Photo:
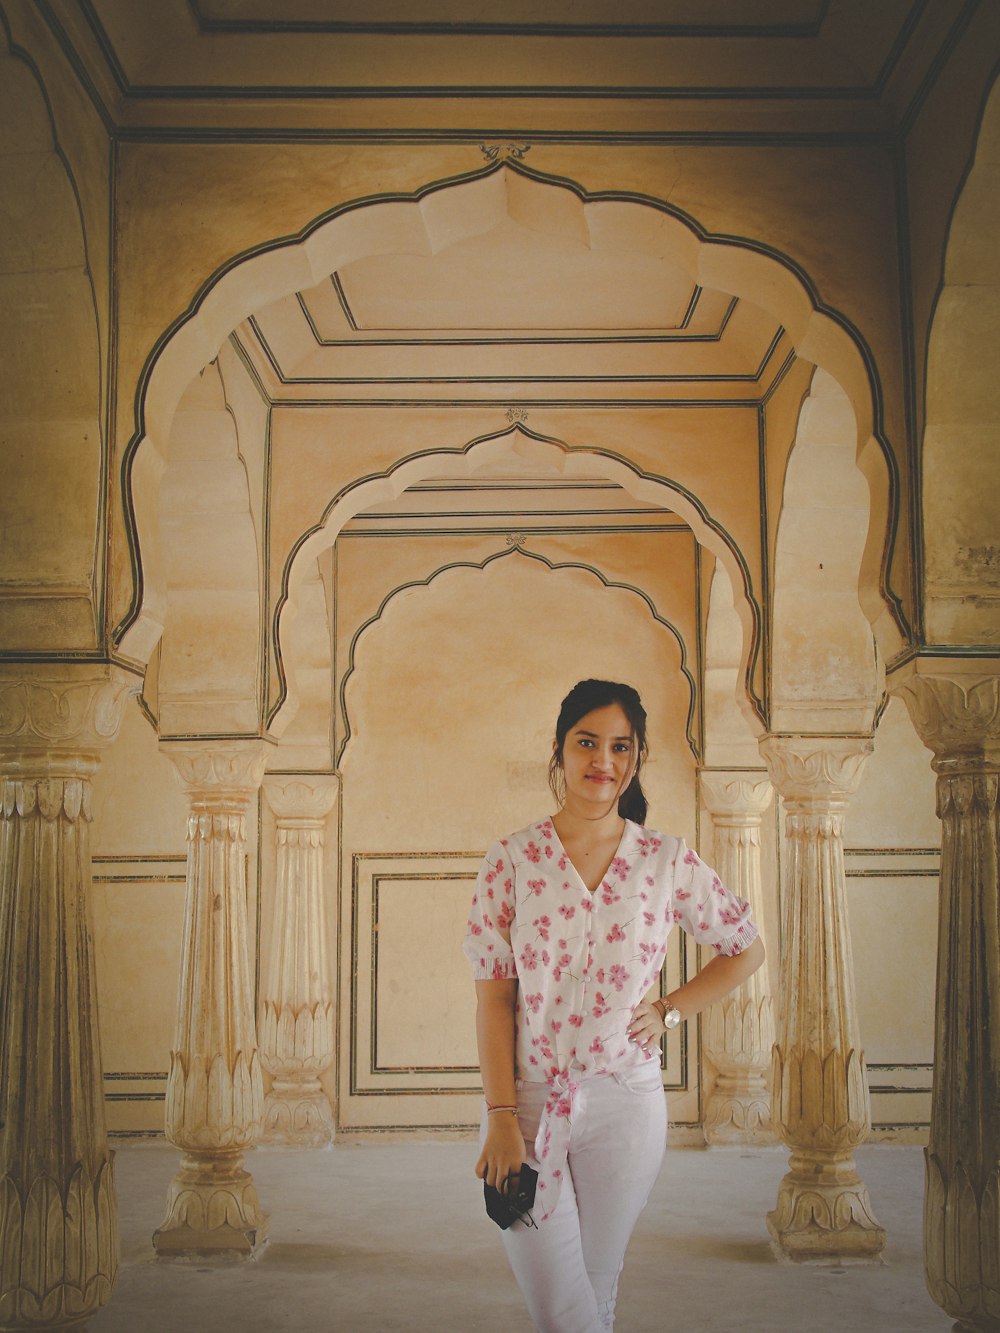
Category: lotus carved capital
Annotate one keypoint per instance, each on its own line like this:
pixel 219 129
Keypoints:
pixel 816 769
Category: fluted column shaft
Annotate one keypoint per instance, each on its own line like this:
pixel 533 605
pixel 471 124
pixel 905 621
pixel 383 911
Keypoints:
pixel 58 1212
pixel 297 1021
pixel 739 1030
pixel 820 1096
pixel 214 1089
pixel 958 715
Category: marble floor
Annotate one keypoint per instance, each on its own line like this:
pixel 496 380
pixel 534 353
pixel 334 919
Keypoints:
pixel 383 1234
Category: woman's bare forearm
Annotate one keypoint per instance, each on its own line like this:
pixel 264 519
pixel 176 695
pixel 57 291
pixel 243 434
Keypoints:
pixel 496 1005
pixel 716 979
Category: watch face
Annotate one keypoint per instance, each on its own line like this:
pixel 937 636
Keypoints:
pixel 672 1019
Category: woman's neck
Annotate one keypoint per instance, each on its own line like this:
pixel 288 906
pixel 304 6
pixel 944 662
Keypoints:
pixel 588 825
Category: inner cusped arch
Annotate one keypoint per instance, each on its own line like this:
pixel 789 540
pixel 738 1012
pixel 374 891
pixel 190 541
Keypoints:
pixel 684 659
pixel 456 693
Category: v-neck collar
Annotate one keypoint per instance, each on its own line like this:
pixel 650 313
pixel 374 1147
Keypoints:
pixel 573 866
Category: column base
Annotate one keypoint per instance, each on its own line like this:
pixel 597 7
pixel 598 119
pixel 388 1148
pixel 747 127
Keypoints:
pixel 299 1118
pixel 77 1225
pixel 738 1118
pixel 212 1209
pixel 823 1220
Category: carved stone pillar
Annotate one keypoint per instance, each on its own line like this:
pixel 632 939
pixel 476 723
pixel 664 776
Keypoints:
pixel 58 1212
pixel 214 1091
pixel 820 1101
pixel 739 1030
pixel 957 713
pixel 298 1014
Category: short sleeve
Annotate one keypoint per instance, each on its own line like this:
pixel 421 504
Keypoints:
pixel 487 937
pixel 707 909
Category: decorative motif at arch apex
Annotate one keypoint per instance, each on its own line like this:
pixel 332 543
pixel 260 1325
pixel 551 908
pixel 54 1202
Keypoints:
pixel 741 265
pixel 566 459
pixel 693 741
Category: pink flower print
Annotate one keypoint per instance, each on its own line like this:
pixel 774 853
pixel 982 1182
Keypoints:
pixel 648 917
pixel 529 958
pixel 650 880
pixel 576 1020
pixel 691 858
pixel 676 915
pixel 536 886
pixel 562 862
pixel 567 911
pixel 599 976
pixel 649 952
pixel 532 1060
pixel 505 916
pixel 561 965
pixel 682 895
pixel 498 970
pixel 608 895
pixel 617 976
pixel 556 1025
pixel 597 1046
pixel 600 1006
pixel 586 905
pixel 548 850
pixel 474 929
pixel 546 958
pixel 534 1002
pixel 532 853
pixel 615 933
pixel 543 924
pixel 703 925
pixel 558 1000
pixel 562 944
pixel 717 887
pixel 643 896
pixel 619 867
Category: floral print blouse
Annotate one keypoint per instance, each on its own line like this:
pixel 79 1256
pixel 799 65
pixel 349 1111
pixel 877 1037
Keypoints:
pixel 584 961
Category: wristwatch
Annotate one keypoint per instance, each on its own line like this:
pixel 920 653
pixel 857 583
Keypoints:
pixel 671 1016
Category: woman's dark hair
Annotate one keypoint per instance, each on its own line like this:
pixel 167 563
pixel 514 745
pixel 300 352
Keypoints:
pixel 583 699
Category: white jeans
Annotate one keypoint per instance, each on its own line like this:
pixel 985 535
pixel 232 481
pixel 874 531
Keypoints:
pixel 568 1267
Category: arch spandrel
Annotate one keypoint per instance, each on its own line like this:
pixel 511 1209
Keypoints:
pixel 51 387
pixel 961 460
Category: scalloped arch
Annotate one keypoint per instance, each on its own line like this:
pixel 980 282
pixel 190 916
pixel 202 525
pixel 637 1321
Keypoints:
pixel 554 567
pixel 539 451
pixel 437 215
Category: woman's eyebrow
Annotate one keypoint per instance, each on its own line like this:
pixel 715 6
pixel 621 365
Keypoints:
pixel 581 731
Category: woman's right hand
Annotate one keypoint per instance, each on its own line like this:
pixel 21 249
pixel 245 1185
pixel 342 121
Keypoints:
pixel 503 1150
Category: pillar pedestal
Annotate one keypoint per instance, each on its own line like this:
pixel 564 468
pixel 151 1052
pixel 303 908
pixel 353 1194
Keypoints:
pixel 214 1089
pixel 956 711
pixel 739 1030
pixel 298 1012
pixel 821 1107
pixel 58 1212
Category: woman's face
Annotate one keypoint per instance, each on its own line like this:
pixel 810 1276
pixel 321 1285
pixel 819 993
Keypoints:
pixel 598 758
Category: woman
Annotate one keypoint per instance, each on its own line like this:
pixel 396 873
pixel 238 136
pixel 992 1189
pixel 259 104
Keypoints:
pixel 567 936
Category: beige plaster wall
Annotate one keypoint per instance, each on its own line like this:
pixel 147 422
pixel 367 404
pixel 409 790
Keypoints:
pixel 892 856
